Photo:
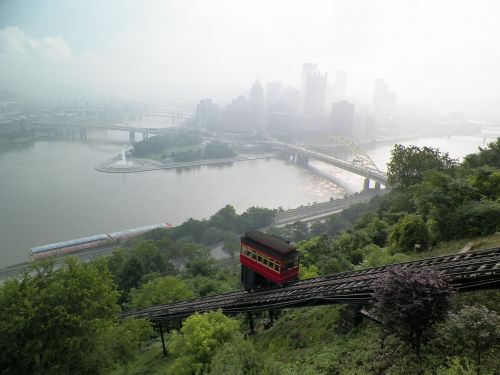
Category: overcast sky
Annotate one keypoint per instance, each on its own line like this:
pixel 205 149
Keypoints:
pixel 445 53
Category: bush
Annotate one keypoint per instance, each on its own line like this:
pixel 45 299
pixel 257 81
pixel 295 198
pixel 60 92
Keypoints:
pixel 410 300
pixel 162 290
pixel 409 234
pixel 202 335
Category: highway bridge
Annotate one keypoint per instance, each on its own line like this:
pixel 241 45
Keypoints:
pixel 466 271
pixel 362 166
pixel 82 127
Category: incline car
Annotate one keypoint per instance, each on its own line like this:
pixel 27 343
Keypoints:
pixel 267 261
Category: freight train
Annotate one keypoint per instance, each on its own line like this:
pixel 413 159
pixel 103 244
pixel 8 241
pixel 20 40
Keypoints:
pixel 87 243
pixel 267 261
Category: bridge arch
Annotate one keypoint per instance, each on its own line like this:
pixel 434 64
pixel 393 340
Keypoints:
pixel 334 145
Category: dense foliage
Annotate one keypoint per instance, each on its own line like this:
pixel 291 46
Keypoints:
pixel 161 142
pixel 60 321
pixel 212 150
pixel 64 320
pixel 409 301
pixel 200 336
pixel 409 164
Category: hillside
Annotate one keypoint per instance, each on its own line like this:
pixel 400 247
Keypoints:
pixel 65 320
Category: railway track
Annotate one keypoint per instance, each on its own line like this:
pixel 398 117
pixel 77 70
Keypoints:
pixel 468 271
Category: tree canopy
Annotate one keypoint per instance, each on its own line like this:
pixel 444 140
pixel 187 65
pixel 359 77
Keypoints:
pixel 50 321
pixel 408 164
pixel 411 300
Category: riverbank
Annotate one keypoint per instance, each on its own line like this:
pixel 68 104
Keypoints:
pixel 135 165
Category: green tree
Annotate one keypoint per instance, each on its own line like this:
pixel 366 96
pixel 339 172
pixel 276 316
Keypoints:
pixel 225 218
pixel 50 319
pixel 211 236
pixel 410 300
pixel 409 233
pixel 231 244
pixel 475 330
pixel 162 290
pixel 486 180
pixel 408 164
pixel 201 267
pixel 486 156
pixel 118 342
pixel 201 335
pixel 130 276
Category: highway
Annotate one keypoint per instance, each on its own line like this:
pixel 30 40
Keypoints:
pixel 321 210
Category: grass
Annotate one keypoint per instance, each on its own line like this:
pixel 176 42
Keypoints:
pixel 453 247
pixel 150 361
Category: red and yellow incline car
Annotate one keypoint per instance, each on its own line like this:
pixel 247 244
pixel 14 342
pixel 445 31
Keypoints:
pixel 267 261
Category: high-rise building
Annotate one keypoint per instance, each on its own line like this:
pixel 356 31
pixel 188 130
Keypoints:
pixel 307 69
pixel 384 108
pixel 339 89
pixel 274 90
pixel 256 100
pixel 313 90
pixel 384 101
pixel 238 116
pixel 208 116
pixel 342 118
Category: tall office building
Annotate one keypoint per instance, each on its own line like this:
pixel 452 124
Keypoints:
pixel 238 116
pixel 256 100
pixel 342 118
pixel 313 90
pixel 208 115
pixel 339 89
pixel 384 101
pixel 274 90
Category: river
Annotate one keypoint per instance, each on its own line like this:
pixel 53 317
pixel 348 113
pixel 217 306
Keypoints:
pixel 50 191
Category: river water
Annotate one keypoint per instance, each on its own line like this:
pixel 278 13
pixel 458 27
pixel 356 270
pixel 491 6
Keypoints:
pixel 50 191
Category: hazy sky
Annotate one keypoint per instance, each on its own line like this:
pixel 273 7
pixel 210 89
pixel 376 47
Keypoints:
pixel 443 52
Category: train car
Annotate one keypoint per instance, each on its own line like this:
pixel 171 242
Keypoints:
pixel 131 233
pixel 67 247
pixel 267 261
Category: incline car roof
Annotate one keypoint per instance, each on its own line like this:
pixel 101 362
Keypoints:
pixel 275 243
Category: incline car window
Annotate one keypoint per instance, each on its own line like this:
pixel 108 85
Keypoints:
pixel 260 258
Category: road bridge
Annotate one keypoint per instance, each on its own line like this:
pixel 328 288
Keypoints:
pixel 467 271
pixel 82 127
pixel 302 154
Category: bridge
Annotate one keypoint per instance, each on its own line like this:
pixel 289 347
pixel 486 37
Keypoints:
pixel 361 164
pixel 474 270
pixel 71 127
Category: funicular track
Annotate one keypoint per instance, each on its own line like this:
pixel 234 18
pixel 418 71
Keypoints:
pixel 469 271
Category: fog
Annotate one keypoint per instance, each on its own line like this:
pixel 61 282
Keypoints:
pixel 442 54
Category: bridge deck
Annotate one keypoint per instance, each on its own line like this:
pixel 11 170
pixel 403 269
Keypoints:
pixel 469 271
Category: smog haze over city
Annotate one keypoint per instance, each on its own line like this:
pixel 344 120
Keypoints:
pixel 442 54
pixel 249 187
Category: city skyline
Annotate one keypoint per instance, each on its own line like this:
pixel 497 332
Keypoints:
pixel 442 57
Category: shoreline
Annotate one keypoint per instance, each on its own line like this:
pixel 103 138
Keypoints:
pixel 146 165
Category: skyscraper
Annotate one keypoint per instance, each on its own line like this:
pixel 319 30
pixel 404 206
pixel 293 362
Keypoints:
pixel 313 90
pixel 238 116
pixel 339 89
pixel 208 115
pixel 384 101
pixel 256 99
